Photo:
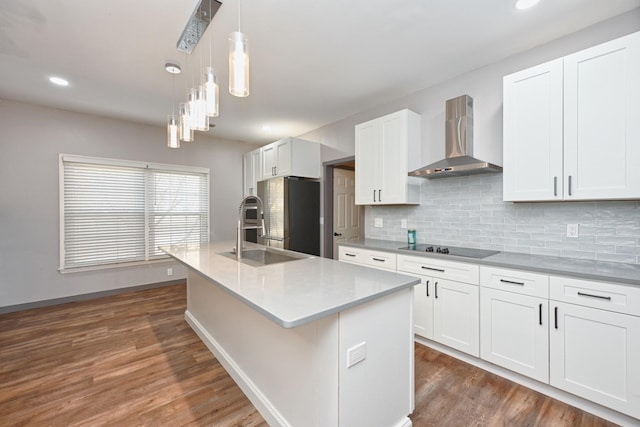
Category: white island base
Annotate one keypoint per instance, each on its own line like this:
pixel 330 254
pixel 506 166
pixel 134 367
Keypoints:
pixel 301 376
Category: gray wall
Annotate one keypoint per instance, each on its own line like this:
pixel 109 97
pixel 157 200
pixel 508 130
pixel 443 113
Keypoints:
pixel 449 208
pixel 31 139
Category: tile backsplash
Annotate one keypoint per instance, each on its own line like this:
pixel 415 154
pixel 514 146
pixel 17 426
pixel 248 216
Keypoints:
pixel 469 212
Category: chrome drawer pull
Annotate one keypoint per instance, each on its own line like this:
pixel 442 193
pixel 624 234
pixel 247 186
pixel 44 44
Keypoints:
pixel 432 269
pixel 512 282
pixel 540 313
pixel 379 259
pixel 582 294
pixel 427 287
pixel 348 254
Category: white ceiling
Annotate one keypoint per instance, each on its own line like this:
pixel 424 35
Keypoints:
pixel 312 61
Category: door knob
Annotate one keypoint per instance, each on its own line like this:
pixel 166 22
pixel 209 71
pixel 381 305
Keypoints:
pixel 337 234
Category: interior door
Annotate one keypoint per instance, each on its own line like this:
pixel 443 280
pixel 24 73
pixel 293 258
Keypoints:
pixel 347 226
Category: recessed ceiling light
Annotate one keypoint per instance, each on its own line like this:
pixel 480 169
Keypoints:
pixel 266 128
pixel 59 81
pixel 526 4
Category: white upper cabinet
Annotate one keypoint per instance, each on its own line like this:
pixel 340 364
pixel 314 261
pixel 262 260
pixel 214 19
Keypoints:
pixel 571 128
pixel 532 132
pixel 252 171
pixel 386 150
pixel 291 157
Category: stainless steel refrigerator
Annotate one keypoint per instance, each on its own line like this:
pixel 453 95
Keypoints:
pixel 291 214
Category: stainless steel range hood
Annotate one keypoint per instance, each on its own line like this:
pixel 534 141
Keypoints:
pixel 459 159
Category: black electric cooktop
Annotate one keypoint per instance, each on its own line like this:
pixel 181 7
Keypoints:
pixel 450 250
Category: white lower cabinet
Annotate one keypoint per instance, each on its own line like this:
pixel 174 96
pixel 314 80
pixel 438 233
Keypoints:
pixel 374 259
pixel 455 316
pixel 445 310
pixel 595 352
pixel 423 308
pixel 514 332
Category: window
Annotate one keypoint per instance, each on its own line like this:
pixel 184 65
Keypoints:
pixel 115 212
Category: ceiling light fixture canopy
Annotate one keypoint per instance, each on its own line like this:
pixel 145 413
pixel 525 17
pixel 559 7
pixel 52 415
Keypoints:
pixel 172 68
pixel 196 26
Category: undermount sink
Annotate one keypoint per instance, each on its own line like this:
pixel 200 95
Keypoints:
pixel 265 256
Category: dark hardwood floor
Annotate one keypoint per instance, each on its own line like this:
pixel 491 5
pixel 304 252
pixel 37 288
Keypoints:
pixel 131 359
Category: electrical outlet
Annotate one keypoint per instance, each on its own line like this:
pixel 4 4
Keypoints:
pixel 572 230
pixel 403 223
pixel 377 223
pixel 169 271
pixel 356 354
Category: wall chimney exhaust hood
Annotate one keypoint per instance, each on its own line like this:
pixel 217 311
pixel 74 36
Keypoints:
pixel 459 160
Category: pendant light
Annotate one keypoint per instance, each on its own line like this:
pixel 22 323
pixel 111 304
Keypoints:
pixel 238 62
pixel 173 140
pixel 186 132
pixel 211 89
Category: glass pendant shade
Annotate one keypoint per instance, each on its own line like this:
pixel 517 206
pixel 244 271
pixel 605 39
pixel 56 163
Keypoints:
pixel 238 65
pixel 202 120
pixel 186 133
pixel 173 139
pixel 191 108
pixel 211 92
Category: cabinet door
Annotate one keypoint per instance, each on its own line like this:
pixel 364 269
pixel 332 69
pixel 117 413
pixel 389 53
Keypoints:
pixel 532 132
pixel 256 160
pixel 393 160
pixel 283 157
pixel 423 308
pixel 268 161
pixel 247 174
pixel 456 315
pixel 595 354
pixel 601 121
pixel 514 332
pixel 367 153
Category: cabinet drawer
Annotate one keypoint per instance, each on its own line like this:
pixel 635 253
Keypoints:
pixel 371 258
pixel 607 296
pixel 521 282
pixel 450 270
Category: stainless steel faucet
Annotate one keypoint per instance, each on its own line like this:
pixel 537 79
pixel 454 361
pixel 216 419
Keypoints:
pixel 243 226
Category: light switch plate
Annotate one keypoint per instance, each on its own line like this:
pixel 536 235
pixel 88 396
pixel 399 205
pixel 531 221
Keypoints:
pixel 403 223
pixel 573 230
pixel 377 222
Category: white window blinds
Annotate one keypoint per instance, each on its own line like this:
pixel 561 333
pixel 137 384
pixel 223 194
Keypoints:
pixel 178 209
pixel 115 212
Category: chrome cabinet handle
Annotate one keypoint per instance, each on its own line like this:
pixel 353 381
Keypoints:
pixel 348 254
pixel 436 286
pixel 555 185
pixel 379 259
pixel 569 184
pixel 512 282
pixel 374 196
pixel 582 294
pixel 427 288
pixel 379 195
pixel 555 316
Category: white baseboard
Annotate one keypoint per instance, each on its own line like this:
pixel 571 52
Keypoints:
pixel 262 404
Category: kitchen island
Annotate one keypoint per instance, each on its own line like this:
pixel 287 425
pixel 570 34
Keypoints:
pixel 311 342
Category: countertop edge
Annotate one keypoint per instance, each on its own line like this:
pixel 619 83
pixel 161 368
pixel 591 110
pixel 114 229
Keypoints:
pixel 495 261
pixel 296 322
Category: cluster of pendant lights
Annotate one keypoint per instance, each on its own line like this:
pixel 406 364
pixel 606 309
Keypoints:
pixel 202 101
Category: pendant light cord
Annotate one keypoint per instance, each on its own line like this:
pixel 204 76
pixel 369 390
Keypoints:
pixel 239 14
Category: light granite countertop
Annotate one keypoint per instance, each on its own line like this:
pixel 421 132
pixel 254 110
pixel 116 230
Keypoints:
pixel 586 269
pixel 290 293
